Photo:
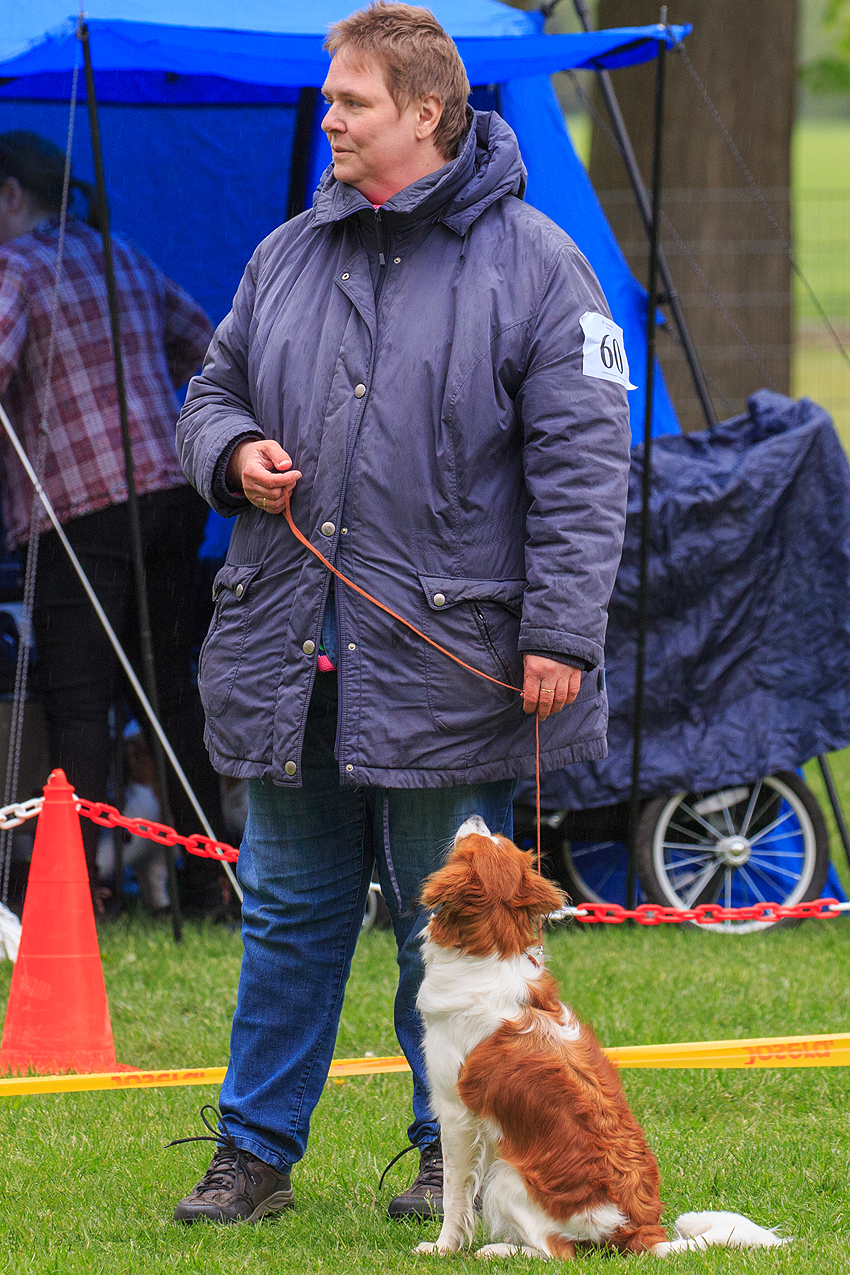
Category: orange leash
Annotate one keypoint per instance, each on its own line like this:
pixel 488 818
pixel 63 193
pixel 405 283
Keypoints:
pixel 287 513
pixel 380 605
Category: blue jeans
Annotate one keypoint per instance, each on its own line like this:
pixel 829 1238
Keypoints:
pixel 305 865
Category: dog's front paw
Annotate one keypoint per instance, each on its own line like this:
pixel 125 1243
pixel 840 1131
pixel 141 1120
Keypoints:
pixel 440 1249
pixel 510 1250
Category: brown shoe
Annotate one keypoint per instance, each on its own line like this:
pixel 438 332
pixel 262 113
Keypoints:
pixel 424 1197
pixel 237 1187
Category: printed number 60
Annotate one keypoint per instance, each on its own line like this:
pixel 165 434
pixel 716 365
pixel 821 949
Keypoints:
pixel 612 354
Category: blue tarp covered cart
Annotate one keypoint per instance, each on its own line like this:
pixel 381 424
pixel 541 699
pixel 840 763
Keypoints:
pixel 748 667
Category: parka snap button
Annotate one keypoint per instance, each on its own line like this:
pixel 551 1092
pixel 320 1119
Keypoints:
pixel 349 767
pixel 309 647
pixel 439 599
pixel 328 529
pixel 352 646
pixel 290 768
pixel 240 589
pixel 359 390
pixel 345 276
pixel 397 261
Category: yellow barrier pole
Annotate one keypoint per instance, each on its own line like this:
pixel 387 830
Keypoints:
pixel 768 1051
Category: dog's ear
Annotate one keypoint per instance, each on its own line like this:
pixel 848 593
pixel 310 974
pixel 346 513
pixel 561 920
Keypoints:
pixel 533 893
pixel 449 886
pixel 540 897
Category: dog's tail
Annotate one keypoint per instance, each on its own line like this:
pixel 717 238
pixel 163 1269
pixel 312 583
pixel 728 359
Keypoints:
pixel 697 1231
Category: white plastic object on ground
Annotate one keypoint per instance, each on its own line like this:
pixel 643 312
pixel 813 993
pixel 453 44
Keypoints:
pixel 10 933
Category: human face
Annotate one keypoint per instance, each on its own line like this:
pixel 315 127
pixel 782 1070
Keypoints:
pixel 377 148
pixel 18 211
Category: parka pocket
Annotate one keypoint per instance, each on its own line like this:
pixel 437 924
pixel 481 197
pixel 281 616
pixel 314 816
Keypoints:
pixel 478 621
pixel 221 653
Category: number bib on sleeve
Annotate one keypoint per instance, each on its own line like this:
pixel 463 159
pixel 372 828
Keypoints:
pixel 604 351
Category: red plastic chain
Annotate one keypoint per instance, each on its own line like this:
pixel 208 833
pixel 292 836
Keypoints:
pixel 589 913
pixel 109 817
pixel 705 914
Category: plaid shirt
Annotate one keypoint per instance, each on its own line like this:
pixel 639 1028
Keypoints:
pixel 164 336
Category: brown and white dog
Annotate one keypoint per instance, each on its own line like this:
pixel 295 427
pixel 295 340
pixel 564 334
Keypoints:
pixel 532 1114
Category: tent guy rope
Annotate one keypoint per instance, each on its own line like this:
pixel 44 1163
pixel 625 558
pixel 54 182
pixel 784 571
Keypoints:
pixel 113 639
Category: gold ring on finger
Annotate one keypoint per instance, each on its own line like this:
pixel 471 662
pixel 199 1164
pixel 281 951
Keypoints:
pixel 264 504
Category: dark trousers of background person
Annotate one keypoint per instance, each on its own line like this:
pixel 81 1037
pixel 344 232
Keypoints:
pixel 77 671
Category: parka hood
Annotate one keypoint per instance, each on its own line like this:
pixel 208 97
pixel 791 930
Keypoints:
pixel 489 166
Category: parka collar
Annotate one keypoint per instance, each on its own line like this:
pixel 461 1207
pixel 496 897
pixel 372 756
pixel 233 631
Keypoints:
pixel 488 166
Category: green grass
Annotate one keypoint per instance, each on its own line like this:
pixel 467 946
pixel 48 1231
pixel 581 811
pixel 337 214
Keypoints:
pixel 840 766
pixel 821 164
pixel 821 218
pixel 88 1187
pixel 821 155
pixel 821 180
pixel 819 372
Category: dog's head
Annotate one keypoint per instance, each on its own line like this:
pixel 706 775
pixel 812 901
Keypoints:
pixel 487 895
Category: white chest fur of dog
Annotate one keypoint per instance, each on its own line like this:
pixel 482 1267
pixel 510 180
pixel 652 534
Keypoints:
pixel 532 1115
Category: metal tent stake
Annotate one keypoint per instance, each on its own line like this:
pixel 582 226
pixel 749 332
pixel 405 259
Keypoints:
pixel 145 639
pixel 299 165
pixel 835 802
pixel 646 475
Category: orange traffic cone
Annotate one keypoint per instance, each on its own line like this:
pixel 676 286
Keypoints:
pixel 58 1018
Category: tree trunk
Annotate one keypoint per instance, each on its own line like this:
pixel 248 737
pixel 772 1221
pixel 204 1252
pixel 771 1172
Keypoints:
pixel 745 56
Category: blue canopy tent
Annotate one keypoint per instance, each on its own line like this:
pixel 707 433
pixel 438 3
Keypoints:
pixel 211 135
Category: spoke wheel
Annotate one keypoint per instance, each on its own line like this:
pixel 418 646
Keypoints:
pixel 752 843
pixel 595 872
pixel 377 915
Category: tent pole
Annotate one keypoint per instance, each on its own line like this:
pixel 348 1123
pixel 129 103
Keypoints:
pixel 671 296
pixel 145 638
pixel 299 168
pixel 835 802
pixel 646 474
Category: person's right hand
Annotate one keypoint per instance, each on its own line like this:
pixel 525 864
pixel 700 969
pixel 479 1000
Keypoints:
pixel 263 470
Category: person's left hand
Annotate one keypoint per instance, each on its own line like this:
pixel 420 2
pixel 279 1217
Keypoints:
pixel 548 685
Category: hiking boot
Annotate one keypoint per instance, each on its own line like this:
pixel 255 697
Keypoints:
pixel 424 1197
pixel 237 1187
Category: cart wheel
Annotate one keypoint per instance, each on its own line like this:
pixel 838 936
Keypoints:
pixel 370 916
pixel 753 843
pixel 595 872
pixel 377 914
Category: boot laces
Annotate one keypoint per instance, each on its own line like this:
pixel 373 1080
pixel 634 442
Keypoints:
pixel 430 1173
pixel 431 1167
pixel 229 1160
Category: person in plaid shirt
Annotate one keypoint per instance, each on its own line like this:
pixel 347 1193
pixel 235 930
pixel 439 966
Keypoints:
pixel 164 336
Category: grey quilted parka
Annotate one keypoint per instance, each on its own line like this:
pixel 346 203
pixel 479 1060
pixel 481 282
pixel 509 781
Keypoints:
pixel 446 376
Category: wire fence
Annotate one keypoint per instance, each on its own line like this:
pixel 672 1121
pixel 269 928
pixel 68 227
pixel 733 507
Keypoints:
pixel 733 286
pixel 822 232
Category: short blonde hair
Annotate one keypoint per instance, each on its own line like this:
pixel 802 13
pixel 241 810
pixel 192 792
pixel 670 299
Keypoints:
pixel 416 56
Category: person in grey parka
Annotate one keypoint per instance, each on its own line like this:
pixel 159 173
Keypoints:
pixel 428 367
